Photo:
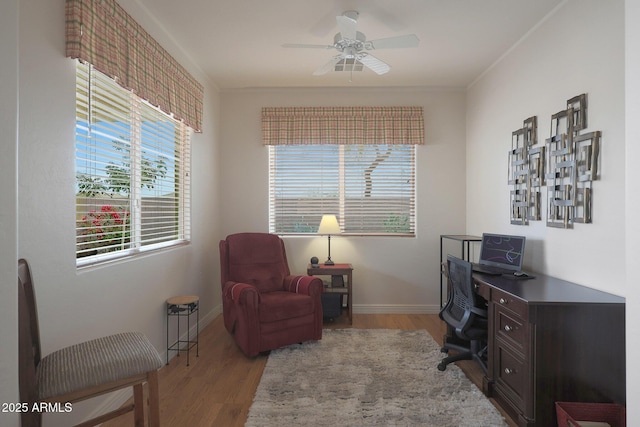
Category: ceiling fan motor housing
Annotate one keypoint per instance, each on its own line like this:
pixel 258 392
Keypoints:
pixel 353 14
pixel 341 44
pixel 352 43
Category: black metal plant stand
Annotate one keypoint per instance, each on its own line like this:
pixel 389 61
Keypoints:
pixel 183 306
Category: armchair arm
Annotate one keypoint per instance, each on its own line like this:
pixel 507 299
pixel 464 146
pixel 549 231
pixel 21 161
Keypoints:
pixel 307 285
pixel 242 293
pixel 241 307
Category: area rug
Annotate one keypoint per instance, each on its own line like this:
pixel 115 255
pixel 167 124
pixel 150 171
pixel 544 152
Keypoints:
pixel 367 377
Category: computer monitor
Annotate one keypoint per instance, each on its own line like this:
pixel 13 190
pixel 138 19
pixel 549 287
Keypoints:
pixel 502 250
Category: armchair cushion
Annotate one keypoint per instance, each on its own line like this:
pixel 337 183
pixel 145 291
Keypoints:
pixel 258 261
pixel 281 305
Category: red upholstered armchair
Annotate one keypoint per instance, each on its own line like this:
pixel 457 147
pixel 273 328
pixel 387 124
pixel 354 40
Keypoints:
pixel 264 307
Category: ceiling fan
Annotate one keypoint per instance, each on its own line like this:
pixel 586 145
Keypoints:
pixel 352 45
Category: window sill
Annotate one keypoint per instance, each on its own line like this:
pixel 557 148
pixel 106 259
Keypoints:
pixel 107 259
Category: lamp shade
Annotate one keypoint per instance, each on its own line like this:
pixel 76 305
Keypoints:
pixel 329 225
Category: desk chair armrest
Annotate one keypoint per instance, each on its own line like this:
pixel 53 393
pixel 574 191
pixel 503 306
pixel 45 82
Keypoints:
pixel 479 311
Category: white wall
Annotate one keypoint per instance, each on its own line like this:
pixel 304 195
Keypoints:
pixel 578 49
pixel 8 207
pixel 581 48
pixel 632 228
pixel 392 274
pixel 128 295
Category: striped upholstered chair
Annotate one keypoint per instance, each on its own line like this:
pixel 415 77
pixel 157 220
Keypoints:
pixel 84 370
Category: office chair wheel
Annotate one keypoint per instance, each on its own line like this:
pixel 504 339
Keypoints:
pixel 444 350
pixel 442 366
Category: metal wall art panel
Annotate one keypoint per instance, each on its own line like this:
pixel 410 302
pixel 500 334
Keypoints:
pixel 566 165
pixel 526 169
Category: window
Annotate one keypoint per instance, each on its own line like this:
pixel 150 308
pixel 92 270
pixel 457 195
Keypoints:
pixel 357 163
pixel 369 187
pixel 132 172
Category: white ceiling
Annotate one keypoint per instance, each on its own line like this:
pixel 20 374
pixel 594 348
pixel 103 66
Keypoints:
pixel 237 43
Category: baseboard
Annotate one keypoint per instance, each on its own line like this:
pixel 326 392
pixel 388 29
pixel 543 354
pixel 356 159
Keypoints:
pixel 118 398
pixel 395 309
pixel 208 317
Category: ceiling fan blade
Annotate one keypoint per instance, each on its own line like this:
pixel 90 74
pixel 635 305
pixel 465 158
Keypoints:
pixel 376 65
pixel 347 27
pixel 312 46
pixel 410 40
pixel 329 66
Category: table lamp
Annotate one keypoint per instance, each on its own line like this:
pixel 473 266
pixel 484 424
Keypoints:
pixel 329 225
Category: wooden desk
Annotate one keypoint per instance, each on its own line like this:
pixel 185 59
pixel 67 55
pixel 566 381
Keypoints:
pixel 551 340
pixel 337 270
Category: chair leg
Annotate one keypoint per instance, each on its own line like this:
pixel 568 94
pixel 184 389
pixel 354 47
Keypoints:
pixel 479 351
pixel 475 352
pixel 138 402
pixel 450 359
pixel 154 399
pixel 31 419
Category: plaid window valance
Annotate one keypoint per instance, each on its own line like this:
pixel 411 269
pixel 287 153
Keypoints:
pixel 101 33
pixel 342 125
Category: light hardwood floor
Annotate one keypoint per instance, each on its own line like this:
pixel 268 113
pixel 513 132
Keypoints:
pixel 218 387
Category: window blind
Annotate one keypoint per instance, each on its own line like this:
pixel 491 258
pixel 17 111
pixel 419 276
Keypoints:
pixel 103 34
pixel 370 188
pixel 132 171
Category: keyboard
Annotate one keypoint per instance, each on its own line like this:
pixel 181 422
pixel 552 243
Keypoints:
pixel 489 269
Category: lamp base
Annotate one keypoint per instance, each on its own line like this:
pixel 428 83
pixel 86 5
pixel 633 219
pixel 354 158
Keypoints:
pixel 329 262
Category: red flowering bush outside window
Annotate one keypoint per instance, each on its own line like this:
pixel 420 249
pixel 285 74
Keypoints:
pixel 106 230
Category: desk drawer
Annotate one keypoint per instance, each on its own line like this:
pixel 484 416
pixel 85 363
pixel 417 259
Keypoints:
pixel 512 377
pixel 511 329
pixel 504 300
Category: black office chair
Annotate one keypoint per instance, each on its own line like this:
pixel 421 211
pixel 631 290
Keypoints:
pixel 466 315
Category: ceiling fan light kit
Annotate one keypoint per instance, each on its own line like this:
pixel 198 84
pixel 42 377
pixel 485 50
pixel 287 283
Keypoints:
pixel 349 64
pixel 352 45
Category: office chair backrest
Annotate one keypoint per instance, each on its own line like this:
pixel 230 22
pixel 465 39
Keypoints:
pixel 460 312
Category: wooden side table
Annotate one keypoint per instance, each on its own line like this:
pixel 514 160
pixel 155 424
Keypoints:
pixel 184 306
pixel 337 270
